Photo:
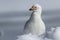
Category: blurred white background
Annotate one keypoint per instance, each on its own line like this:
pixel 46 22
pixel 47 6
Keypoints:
pixel 18 5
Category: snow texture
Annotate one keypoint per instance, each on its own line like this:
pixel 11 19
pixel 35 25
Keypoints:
pixel 54 33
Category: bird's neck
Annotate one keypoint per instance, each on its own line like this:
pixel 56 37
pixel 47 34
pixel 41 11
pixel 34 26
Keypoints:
pixel 36 15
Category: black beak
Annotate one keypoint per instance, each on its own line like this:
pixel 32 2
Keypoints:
pixel 30 9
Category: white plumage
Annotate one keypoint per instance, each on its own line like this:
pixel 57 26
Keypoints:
pixel 35 25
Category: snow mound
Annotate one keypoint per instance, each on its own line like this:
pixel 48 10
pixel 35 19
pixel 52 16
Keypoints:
pixel 29 37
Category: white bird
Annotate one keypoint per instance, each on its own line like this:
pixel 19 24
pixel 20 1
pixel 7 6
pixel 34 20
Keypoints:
pixel 35 24
pixel 56 34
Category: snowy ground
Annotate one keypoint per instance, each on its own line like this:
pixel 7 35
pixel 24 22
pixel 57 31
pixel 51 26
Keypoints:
pixel 12 23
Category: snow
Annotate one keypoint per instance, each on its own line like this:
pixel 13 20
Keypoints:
pixel 55 35
pixel 29 37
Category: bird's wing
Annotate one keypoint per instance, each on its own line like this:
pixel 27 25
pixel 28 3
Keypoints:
pixel 26 24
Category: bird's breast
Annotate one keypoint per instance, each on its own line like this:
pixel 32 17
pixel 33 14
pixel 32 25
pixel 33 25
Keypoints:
pixel 35 27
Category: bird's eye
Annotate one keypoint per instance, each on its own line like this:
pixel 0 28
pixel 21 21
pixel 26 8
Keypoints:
pixel 35 7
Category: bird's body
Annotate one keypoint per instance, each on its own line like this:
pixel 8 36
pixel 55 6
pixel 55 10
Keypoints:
pixel 35 24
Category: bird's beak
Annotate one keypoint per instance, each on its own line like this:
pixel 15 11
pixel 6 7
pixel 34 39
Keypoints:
pixel 30 9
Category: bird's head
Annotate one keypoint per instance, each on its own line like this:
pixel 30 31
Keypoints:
pixel 35 7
